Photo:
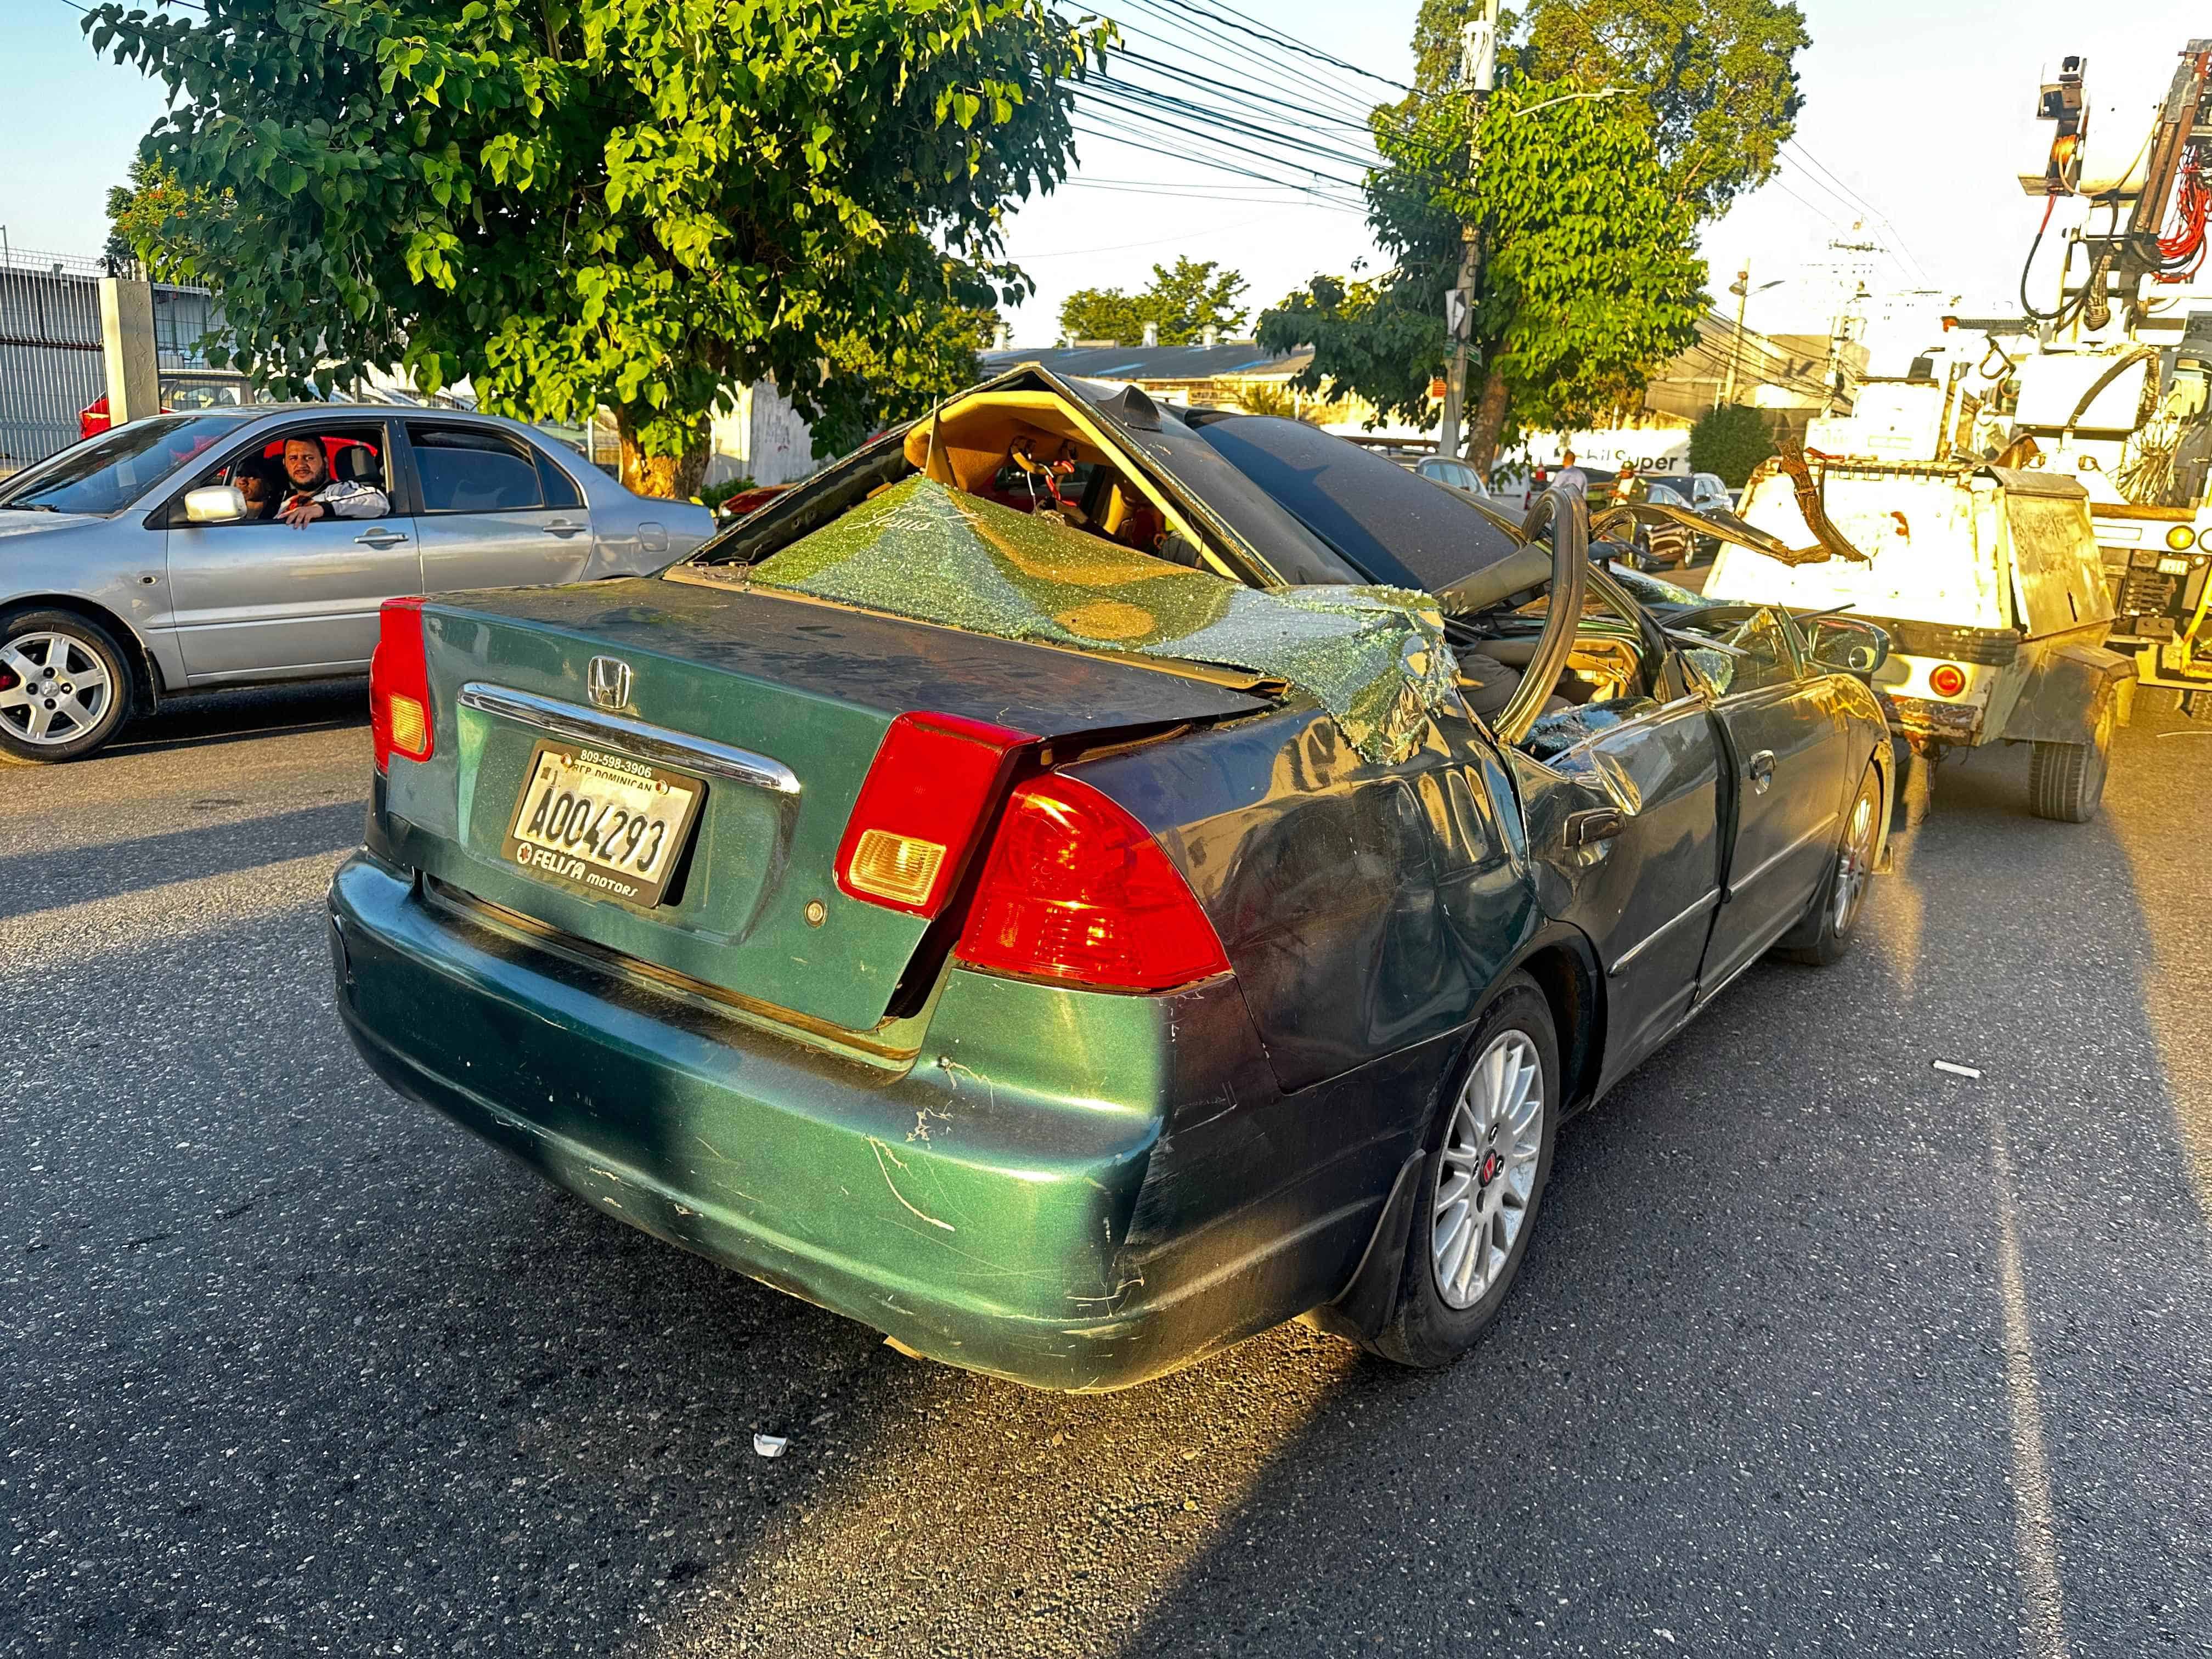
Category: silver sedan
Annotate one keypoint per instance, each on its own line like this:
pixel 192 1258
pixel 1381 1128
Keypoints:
pixel 151 560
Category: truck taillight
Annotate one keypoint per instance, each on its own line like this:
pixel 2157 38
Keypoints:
pixel 1947 679
pixel 921 808
pixel 1076 890
pixel 399 685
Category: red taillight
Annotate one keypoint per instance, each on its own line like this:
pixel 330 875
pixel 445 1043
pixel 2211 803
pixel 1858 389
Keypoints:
pixel 1077 890
pixel 1947 680
pixel 921 807
pixel 399 685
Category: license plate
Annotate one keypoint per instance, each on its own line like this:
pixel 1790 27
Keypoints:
pixel 600 823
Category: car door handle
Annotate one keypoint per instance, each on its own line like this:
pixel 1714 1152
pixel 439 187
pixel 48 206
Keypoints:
pixel 1761 770
pixel 1598 823
pixel 564 528
pixel 379 538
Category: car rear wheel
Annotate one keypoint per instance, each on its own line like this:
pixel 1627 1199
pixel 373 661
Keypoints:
pixel 1489 1157
pixel 1827 932
pixel 64 686
pixel 2066 780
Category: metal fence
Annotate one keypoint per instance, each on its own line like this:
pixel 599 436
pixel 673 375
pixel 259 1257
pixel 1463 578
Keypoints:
pixel 50 360
pixel 53 363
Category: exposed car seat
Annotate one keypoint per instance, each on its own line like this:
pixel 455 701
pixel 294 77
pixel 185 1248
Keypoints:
pixel 356 463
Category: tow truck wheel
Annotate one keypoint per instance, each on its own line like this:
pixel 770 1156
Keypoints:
pixel 2066 780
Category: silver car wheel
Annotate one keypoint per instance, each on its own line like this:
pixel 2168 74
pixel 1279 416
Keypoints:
pixel 1854 860
pixel 53 689
pixel 1486 1170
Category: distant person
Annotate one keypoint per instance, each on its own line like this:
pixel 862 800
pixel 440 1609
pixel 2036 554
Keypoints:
pixel 1627 486
pixel 315 495
pixel 262 484
pixel 1571 478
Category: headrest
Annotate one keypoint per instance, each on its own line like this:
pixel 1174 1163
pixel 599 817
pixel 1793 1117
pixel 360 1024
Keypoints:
pixel 357 463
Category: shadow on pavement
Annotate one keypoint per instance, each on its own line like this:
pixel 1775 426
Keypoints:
pixel 207 717
pixel 1750 1396
pixel 37 880
pixel 294 1365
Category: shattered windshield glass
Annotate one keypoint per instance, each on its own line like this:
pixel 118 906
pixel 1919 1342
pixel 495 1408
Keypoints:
pixel 1374 657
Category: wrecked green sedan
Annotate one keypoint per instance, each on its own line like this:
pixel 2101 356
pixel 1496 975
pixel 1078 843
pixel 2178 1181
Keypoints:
pixel 1079 882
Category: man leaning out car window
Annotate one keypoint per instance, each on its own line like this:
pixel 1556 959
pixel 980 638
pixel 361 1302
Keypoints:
pixel 315 495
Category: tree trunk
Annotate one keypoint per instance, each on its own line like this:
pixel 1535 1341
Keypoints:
pixel 1489 422
pixel 674 476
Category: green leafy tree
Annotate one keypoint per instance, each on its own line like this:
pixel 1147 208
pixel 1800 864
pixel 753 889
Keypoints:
pixel 1377 340
pixel 870 386
pixel 1185 301
pixel 1731 440
pixel 635 202
pixel 1102 313
pixel 1592 280
pixel 150 221
pixel 1714 80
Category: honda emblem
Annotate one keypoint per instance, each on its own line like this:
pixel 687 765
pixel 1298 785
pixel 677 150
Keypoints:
pixel 608 682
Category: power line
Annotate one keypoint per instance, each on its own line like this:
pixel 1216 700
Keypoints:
pixel 1170 104
pixel 1112 124
pixel 1158 241
pixel 1805 155
pixel 1264 70
pixel 1190 78
pixel 1265 32
pixel 1216 191
pixel 1104 133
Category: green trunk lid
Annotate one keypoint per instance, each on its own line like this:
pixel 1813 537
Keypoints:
pixel 791 699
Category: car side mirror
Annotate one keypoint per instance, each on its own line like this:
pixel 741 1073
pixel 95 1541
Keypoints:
pixel 215 504
pixel 1848 646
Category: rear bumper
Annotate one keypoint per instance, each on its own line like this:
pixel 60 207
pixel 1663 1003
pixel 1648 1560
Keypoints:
pixel 1069 1189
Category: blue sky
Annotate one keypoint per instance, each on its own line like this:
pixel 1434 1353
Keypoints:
pixel 1919 106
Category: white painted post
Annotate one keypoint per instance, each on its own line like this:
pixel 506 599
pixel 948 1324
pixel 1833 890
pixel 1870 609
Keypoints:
pixel 134 366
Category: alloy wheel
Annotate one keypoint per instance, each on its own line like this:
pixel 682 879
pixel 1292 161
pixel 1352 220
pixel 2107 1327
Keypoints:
pixel 1486 1170
pixel 1854 860
pixel 53 689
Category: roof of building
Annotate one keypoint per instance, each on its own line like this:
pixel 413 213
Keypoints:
pixel 1226 360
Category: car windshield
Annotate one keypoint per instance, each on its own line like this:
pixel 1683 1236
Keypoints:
pixel 107 473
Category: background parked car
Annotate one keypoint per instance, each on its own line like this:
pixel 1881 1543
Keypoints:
pixel 131 573
pixel 1459 475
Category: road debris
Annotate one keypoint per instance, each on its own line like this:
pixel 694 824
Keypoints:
pixel 770 1445
pixel 1955 1070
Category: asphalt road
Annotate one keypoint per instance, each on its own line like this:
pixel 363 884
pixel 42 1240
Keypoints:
pixel 1819 1349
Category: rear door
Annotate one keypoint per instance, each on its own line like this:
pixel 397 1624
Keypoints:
pixel 1785 736
pixel 259 598
pixel 1649 873
pixel 497 511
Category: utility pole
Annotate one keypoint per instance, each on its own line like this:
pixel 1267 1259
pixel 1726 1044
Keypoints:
pixel 1742 289
pixel 1477 68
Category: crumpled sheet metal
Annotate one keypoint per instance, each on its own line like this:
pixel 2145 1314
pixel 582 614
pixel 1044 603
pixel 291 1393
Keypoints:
pixel 1375 657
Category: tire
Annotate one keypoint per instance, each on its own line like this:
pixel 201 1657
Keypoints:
pixel 1830 927
pixel 2066 780
pixel 1500 1114
pixel 87 673
pixel 2158 700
